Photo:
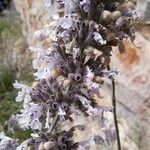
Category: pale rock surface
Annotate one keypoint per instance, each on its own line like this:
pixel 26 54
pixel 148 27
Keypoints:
pixel 144 7
pixel 133 84
pixel 34 16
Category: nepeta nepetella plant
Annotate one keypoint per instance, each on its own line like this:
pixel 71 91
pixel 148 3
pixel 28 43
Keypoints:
pixel 71 72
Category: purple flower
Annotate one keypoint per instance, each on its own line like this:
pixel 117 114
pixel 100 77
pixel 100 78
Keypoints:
pixel 70 73
pixel 7 143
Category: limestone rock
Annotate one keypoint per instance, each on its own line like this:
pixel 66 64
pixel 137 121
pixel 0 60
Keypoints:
pixel 144 7
pixel 34 16
pixel 133 83
pixel 133 66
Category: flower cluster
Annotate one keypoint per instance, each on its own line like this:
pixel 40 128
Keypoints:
pixel 7 142
pixel 59 141
pixel 70 73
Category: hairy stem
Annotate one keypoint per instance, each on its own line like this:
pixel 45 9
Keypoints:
pixel 115 113
pixel 56 119
pixel 115 110
pixel 54 123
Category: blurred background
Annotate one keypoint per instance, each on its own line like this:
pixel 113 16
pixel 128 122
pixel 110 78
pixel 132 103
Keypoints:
pixel 19 19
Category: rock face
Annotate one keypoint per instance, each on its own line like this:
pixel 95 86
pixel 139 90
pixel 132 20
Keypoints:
pixel 144 7
pixel 133 85
pixel 34 16
pixel 133 82
pixel 134 66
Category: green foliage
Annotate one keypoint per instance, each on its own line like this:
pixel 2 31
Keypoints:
pixel 6 79
pixel 8 106
pixel 3 25
pixel 20 134
pixel 11 62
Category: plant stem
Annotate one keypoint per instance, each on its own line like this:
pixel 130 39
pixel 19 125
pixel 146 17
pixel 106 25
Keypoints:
pixel 56 119
pixel 54 123
pixel 115 113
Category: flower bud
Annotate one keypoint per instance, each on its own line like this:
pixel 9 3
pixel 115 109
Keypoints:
pixel 106 16
pixel 110 37
pixel 116 15
pixel 40 35
pixel 41 146
pixel 55 72
pixel 98 80
pixel 49 145
pixel 112 40
pixel 29 148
